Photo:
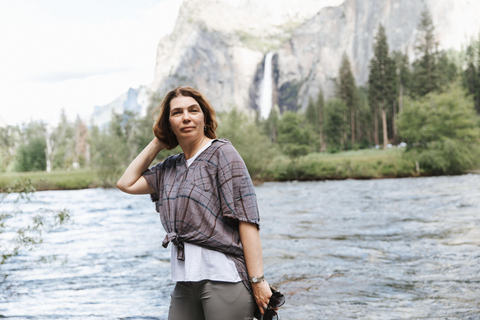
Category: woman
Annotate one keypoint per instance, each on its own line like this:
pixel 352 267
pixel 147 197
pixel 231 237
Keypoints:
pixel 208 207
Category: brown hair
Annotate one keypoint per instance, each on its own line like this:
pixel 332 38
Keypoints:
pixel 161 128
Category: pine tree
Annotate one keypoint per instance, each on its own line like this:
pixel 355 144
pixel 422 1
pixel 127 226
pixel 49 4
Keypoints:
pixel 425 67
pixel 335 124
pixel 314 116
pixel 321 120
pixel 403 82
pixel 471 74
pixel 271 124
pixel 381 82
pixel 347 93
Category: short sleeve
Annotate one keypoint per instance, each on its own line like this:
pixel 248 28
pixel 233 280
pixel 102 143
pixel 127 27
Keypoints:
pixel 153 177
pixel 238 198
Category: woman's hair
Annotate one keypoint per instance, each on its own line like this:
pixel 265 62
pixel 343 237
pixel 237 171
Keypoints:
pixel 161 128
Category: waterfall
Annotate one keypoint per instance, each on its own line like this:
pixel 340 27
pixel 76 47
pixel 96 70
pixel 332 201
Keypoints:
pixel 266 89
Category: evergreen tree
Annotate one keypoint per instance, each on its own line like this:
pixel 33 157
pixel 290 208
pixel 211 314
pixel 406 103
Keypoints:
pixel 31 156
pixel 321 119
pixel 335 124
pixel 471 74
pixel 364 119
pixel 313 119
pixel 403 82
pixel 294 137
pixel 426 77
pixel 60 144
pixel 271 124
pixel 447 68
pixel 346 91
pixel 381 82
pixel 403 72
pixel 31 153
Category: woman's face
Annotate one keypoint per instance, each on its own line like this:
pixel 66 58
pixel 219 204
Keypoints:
pixel 187 119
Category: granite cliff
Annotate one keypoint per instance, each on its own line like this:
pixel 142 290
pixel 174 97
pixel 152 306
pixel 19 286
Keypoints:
pixel 219 46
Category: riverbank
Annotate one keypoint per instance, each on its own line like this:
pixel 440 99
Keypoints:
pixel 359 164
pixel 57 180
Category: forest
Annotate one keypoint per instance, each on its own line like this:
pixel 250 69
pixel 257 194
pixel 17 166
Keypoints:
pixel 417 117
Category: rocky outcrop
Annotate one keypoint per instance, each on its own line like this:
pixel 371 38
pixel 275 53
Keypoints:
pixel 134 100
pixel 219 46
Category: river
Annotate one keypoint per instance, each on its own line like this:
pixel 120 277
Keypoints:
pixel 375 249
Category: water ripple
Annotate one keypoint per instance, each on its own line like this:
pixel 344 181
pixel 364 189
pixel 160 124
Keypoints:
pixel 372 249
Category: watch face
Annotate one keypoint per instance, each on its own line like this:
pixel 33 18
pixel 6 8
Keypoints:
pixel 254 279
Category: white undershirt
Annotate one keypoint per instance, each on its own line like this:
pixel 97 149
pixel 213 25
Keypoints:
pixel 201 263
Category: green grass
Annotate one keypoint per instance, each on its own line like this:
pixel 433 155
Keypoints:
pixel 56 180
pixel 360 164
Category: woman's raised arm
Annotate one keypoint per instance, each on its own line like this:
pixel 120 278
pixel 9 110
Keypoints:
pixel 132 180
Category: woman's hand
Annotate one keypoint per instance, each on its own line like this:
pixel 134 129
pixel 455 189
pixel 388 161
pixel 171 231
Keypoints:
pixel 132 180
pixel 262 294
pixel 252 248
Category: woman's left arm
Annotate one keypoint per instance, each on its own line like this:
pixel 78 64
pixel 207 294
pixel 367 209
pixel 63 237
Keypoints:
pixel 252 249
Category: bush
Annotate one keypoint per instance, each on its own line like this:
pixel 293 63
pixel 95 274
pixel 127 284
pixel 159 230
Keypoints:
pixel 27 233
pixel 31 156
pixel 255 147
pixel 442 131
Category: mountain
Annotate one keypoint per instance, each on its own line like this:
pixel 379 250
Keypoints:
pixel 219 46
pixel 134 100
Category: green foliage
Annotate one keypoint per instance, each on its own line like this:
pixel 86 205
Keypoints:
pixel 442 131
pixel 55 180
pixel 109 156
pixel 294 137
pixel 447 69
pixel 288 95
pixel 382 82
pixel 426 73
pixel 382 77
pixel 27 234
pixel 364 120
pixel 271 124
pixel 346 87
pixel 255 147
pixel 9 137
pixel 347 92
pixel 335 124
pixel 362 164
pixel 62 144
pixel 31 156
pixel 471 73
pixel 403 73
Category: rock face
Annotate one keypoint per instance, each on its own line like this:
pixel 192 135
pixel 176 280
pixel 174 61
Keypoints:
pixel 135 100
pixel 219 46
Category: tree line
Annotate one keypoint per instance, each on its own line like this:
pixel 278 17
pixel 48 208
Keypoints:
pixel 432 104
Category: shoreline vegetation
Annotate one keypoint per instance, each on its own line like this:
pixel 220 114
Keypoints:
pixel 360 164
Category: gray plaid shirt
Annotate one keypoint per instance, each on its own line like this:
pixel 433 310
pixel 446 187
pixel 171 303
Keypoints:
pixel 203 203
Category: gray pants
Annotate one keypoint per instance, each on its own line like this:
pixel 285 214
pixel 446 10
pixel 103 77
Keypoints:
pixel 211 300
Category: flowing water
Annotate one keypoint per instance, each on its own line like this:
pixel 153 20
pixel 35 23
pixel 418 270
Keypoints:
pixel 376 249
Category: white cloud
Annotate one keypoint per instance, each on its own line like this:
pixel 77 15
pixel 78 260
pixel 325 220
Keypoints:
pixel 76 54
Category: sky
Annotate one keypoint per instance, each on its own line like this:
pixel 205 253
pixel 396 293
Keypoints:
pixel 74 55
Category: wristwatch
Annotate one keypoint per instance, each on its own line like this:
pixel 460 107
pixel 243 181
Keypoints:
pixel 256 279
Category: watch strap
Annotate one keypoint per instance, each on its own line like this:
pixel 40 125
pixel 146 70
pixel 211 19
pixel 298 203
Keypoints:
pixel 256 279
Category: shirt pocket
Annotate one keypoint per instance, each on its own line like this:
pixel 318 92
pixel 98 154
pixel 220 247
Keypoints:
pixel 205 178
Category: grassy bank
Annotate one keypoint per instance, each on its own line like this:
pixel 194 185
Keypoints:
pixel 361 164
pixel 57 180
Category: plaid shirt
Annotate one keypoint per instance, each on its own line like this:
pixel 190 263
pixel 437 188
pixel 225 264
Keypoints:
pixel 203 203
